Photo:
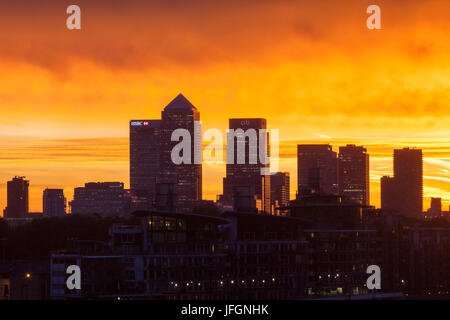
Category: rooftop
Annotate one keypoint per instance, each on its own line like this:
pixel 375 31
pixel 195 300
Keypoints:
pixel 180 103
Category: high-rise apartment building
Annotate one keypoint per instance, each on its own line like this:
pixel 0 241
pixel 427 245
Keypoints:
pixel 316 169
pixel 244 165
pixel 53 203
pixel 17 198
pixel 353 173
pixel 404 192
pixel 408 171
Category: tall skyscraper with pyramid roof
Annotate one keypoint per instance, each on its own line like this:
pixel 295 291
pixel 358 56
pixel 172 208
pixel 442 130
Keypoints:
pixel 155 179
pixel 186 179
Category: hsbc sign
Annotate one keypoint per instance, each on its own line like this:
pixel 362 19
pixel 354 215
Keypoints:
pixel 139 123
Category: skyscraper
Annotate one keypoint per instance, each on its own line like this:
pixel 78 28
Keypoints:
pixel 353 173
pixel 243 169
pixel 17 198
pixel 404 192
pixel 279 188
pixel 155 179
pixel 316 169
pixel 186 178
pixel 54 203
pixel 144 160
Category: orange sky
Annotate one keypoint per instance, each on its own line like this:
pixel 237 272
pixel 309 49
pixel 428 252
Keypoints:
pixel 312 68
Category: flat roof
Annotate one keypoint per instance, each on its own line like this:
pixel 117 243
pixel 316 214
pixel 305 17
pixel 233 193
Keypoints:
pixel 217 220
pixel 267 216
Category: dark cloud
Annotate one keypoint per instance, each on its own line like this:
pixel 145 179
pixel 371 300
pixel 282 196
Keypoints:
pixel 153 34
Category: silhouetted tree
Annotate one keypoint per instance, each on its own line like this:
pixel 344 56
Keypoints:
pixel 37 239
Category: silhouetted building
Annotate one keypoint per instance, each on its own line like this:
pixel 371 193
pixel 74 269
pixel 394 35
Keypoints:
pixel 279 188
pixel 245 200
pixel 185 177
pixel 222 205
pixel 353 173
pixel 151 162
pixel 191 256
pixel 316 169
pixel 343 243
pixel 425 262
pixel 54 203
pixel 25 279
pixel 165 197
pixel 435 210
pixel 388 193
pixel 334 264
pixel 389 227
pixel 408 171
pixel 436 206
pixel 328 211
pixel 241 255
pixel 404 192
pixel 17 198
pixel 446 213
pixel 145 137
pixel 244 166
pixel 103 198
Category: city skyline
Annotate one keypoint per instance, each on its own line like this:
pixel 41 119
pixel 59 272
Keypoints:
pixel 285 156
pixel 313 70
